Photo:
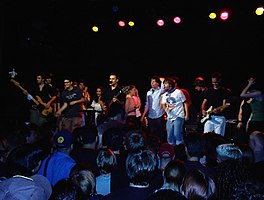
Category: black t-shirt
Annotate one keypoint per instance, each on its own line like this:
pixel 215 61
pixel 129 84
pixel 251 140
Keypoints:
pixel 215 98
pixel 45 94
pixel 69 96
pixel 113 108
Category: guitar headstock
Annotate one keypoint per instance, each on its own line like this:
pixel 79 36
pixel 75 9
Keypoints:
pixel 15 82
pixel 227 104
pixel 125 89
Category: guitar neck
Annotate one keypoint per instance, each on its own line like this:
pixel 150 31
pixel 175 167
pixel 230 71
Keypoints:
pixel 23 89
pixel 35 101
pixel 217 109
pixel 26 92
pixel 110 103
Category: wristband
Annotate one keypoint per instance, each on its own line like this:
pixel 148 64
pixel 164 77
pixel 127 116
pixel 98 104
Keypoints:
pixel 29 97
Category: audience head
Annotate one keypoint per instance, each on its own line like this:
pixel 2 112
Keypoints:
pixel 256 142
pixel 84 179
pixel 135 141
pixel 194 145
pixel 31 133
pixel 165 194
pixel 65 189
pixel 113 138
pixel 140 167
pixel 63 140
pixel 106 160
pixel 22 182
pixel 211 141
pixel 198 186
pixel 166 150
pixel 165 154
pixel 86 135
pixel 180 152
pixel 173 173
pixel 36 187
pixel 228 151
pixel 25 160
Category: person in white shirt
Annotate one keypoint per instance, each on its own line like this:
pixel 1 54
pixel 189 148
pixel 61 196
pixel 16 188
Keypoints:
pixel 174 104
pixel 153 116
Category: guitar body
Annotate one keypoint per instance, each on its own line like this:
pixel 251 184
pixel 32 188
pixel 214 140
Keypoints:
pixel 43 110
pixel 205 118
pixel 211 110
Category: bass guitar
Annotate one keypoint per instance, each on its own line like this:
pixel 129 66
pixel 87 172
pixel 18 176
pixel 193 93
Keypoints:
pixel 211 111
pixel 39 104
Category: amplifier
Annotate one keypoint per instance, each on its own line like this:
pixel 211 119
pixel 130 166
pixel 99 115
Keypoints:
pixel 191 127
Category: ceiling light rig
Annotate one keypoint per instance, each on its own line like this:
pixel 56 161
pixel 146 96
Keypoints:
pixel 170 19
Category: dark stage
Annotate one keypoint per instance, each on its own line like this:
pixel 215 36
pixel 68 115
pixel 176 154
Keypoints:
pixel 55 36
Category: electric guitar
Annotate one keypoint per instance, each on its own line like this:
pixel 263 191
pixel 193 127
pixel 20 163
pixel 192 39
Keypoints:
pixel 39 104
pixel 211 110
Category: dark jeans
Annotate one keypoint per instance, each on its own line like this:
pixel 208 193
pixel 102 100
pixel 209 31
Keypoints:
pixel 156 127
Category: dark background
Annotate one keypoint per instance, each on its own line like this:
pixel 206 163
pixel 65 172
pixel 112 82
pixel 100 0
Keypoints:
pixel 55 36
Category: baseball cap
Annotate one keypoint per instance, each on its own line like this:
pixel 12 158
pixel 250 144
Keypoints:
pixel 36 187
pixel 166 150
pixel 63 139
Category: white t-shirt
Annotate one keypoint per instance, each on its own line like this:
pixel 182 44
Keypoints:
pixel 174 101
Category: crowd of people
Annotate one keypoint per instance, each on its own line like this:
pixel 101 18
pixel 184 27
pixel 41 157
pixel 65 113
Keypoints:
pixel 113 145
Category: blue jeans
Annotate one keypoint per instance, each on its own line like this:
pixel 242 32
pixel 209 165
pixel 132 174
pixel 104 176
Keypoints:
pixel 175 131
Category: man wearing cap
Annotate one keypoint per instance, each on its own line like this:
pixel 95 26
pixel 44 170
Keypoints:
pixel 58 165
pixel 166 153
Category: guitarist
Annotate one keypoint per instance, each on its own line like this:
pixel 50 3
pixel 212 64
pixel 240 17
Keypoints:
pixel 112 100
pixel 217 97
pixel 45 96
